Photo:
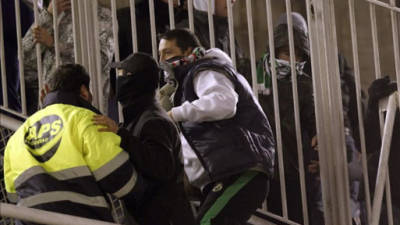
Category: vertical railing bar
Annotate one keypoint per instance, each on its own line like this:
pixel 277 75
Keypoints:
pixel 99 70
pixel 82 33
pixel 275 94
pixel 133 26
pixel 395 33
pixel 75 30
pixel 190 15
pixel 38 54
pixel 375 43
pixel 395 28
pixel 3 61
pixel 359 104
pixel 115 29
pixel 96 74
pixel 320 97
pixel 153 29
pixel 211 23
pixel 89 48
pixel 231 32
pixel 88 39
pixel 116 45
pixel 171 14
pixel 343 184
pixel 378 74
pixel 396 47
pixel 297 113
pixel 383 159
pixel 20 56
pixel 252 47
pixel 333 163
pixel 55 36
pixel 389 199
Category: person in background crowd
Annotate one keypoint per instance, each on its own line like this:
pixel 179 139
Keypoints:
pixel 379 89
pixel 143 32
pixel 286 111
pixel 152 140
pixel 307 121
pixel 43 34
pixel 58 160
pixel 221 30
pixel 11 49
pixel 143 24
pixel 227 142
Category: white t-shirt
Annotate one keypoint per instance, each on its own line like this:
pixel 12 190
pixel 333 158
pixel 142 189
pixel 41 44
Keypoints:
pixel 202 5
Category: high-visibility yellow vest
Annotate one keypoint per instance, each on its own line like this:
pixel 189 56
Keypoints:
pixel 58 159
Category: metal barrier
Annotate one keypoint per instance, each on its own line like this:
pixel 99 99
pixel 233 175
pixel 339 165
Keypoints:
pixel 5 134
pixel 45 217
pixel 326 84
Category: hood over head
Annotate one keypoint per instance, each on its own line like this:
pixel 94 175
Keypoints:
pixel 300 34
pixel 299 22
pixel 218 54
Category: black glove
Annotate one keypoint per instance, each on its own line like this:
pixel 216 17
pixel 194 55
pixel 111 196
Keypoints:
pixel 381 88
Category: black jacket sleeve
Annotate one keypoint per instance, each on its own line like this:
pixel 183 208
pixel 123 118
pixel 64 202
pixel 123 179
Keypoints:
pixel 155 152
pixel 372 127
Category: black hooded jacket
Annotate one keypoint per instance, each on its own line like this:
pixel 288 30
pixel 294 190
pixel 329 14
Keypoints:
pixel 286 104
pixel 306 100
pixel 155 154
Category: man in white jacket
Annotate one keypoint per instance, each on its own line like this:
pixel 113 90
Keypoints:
pixel 227 143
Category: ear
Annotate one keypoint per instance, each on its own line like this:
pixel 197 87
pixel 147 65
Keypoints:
pixel 85 93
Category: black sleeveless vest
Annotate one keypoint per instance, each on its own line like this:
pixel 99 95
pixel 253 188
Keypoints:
pixel 230 146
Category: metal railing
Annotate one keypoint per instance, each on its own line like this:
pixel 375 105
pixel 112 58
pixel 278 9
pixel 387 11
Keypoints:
pixel 45 217
pixel 326 84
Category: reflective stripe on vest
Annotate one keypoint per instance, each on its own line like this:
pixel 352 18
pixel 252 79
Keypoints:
pixel 55 196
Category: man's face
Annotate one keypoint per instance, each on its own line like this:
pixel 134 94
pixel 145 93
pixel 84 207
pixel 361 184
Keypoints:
pixel 285 55
pixel 168 49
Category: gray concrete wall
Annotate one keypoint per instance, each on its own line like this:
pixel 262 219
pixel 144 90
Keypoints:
pixel 343 32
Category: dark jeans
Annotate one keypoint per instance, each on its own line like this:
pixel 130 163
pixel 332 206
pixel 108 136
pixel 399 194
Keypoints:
pixel 233 200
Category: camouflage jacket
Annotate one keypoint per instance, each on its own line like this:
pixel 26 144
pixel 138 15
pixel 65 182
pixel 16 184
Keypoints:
pixel 66 47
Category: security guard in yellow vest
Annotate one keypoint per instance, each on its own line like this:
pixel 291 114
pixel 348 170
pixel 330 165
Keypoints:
pixel 58 161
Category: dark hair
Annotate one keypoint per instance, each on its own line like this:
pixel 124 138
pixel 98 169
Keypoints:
pixel 184 38
pixel 69 77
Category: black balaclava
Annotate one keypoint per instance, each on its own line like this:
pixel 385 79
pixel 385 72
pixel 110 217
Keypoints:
pixel 139 76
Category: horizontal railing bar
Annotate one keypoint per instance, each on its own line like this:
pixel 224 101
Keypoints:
pixel 45 217
pixel 384 5
pixel 270 216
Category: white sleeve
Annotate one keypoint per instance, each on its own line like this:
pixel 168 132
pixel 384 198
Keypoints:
pixel 217 99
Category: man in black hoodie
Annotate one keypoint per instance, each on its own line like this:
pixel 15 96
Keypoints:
pixel 152 141
pixel 286 107
pixel 307 120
